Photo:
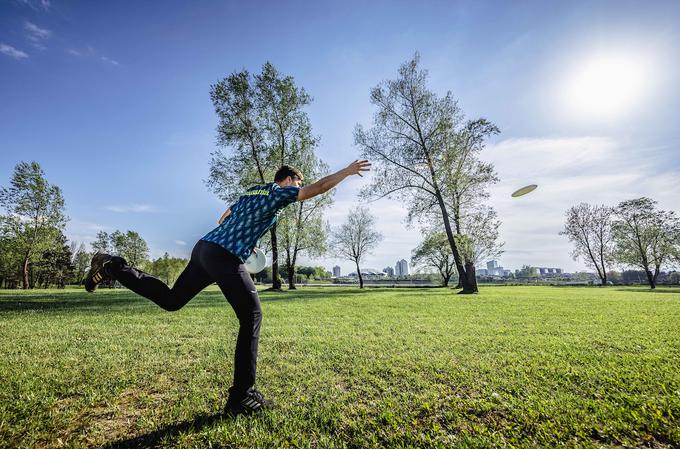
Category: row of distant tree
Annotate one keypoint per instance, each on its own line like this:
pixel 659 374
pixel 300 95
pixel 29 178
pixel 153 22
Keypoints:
pixel 634 234
pixel 34 251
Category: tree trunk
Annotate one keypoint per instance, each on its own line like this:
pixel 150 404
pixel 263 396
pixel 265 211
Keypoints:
pixel 463 279
pixel 291 279
pixel 25 283
pixel 291 270
pixel 470 279
pixel 650 279
pixel 656 274
pixel 469 285
pixel 361 279
pixel 276 280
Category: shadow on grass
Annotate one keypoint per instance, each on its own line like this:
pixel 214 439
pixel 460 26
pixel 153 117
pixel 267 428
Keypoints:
pixel 50 304
pixel 317 293
pixel 112 300
pixel 649 290
pixel 155 438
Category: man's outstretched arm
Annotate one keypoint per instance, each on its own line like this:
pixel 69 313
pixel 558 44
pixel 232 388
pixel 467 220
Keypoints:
pixel 323 185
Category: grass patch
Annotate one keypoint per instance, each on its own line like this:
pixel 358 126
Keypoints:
pixel 512 366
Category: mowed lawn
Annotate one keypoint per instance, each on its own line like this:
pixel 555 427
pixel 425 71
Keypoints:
pixel 510 367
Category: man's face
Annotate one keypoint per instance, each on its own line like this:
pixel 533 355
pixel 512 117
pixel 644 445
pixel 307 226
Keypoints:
pixel 294 181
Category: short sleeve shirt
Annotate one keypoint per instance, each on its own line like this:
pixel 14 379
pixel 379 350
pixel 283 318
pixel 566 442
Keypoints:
pixel 251 216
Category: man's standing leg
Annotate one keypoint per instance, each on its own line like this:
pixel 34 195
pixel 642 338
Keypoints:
pixel 237 286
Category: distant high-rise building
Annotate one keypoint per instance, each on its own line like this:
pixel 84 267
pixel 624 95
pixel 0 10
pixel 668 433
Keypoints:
pixel 336 271
pixel 401 269
pixel 493 269
pixel 388 271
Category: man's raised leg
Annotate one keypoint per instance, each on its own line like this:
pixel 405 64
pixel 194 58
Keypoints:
pixel 189 283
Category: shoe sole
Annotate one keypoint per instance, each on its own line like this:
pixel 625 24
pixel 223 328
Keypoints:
pixel 92 280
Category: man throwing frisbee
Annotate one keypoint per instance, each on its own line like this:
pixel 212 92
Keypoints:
pixel 219 257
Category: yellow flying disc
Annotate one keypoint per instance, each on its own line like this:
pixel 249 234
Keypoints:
pixel 524 190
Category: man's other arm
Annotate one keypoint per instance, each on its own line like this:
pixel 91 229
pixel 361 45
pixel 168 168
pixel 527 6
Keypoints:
pixel 224 216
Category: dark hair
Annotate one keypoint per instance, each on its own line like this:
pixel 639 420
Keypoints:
pixel 286 171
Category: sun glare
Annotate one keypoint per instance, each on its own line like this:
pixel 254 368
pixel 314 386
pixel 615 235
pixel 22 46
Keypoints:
pixel 606 86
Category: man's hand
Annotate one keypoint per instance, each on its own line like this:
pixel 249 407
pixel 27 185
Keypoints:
pixel 358 166
pixel 224 216
pixel 325 184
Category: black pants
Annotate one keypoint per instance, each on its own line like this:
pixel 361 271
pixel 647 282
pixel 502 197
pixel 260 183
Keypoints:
pixel 209 263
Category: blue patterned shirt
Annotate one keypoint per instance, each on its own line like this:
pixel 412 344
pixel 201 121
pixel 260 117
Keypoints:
pixel 251 216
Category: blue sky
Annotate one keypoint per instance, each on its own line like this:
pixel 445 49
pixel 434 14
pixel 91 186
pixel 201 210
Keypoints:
pixel 112 100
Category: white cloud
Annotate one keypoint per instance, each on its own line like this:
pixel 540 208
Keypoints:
pixel 36 5
pixel 12 52
pixel 91 52
pixel 134 208
pixel 109 60
pixel 35 33
pixel 180 242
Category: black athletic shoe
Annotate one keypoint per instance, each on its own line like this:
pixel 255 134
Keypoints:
pixel 96 274
pixel 251 402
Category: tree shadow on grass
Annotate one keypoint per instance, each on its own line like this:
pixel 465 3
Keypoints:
pixel 113 300
pixel 53 305
pixel 648 290
pixel 317 293
pixel 155 438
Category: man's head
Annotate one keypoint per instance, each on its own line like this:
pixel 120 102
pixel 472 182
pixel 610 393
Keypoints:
pixel 288 176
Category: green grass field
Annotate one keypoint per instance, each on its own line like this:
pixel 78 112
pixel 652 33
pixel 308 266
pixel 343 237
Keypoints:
pixel 510 367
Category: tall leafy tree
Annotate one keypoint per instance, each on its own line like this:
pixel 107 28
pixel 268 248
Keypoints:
pixel 102 243
pixel 527 272
pixel 435 252
pixel 477 235
pixel 589 228
pixel 10 262
pixel 54 266
pixel 301 226
pixel 137 250
pixel 465 186
pixel 167 268
pixel 411 142
pixel 81 262
pixel 356 238
pixel 466 178
pixel 646 237
pixel 130 246
pixel 481 235
pixel 34 214
pixel 262 124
